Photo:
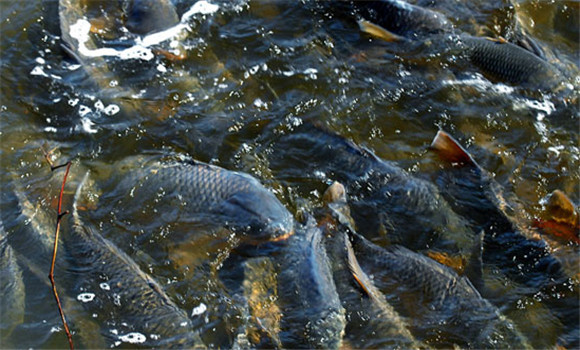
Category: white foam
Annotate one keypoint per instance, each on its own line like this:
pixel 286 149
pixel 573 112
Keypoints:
pixel 198 310
pixel 81 29
pixel 87 126
pixel 133 338
pixel 86 297
pixel 105 286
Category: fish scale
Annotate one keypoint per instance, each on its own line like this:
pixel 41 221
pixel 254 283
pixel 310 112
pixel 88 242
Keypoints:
pixel 510 62
pixel 202 193
pixel 449 298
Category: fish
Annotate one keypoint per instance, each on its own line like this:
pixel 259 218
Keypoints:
pixel 372 321
pixel 510 244
pixel 131 303
pixel 401 18
pixel 192 191
pixel 260 289
pixel 312 315
pixel 440 302
pixel 388 204
pixel 560 218
pixel 147 16
pixel 12 303
pixel 511 63
pixel 71 13
pixel 474 194
pixel 520 63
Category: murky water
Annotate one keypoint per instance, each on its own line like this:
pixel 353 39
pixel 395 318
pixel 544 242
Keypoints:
pixel 253 73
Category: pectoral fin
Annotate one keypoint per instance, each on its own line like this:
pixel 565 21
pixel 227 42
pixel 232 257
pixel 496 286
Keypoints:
pixel 361 278
pixel 450 150
pixel 378 31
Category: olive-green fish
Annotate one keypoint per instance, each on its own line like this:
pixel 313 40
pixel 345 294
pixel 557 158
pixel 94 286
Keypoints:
pixel 11 287
pixel 131 305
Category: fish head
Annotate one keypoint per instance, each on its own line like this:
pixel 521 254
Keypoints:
pixel 260 214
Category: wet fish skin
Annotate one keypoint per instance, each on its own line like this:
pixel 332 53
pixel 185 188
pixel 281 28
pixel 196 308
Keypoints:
pixel 475 194
pixel 511 63
pixel 313 316
pixel 372 322
pixel 120 288
pixel 385 199
pixel 208 192
pixel 147 16
pixel 402 18
pixel 469 319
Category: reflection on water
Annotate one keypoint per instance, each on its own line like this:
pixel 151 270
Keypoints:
pixel 226 84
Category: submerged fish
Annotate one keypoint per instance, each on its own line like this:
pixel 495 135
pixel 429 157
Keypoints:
pixel 12 288
pixel 191 191
pixel 312 316
pixel 440 301
pixel 112 286
pixel 560 218
pixel 372 322
pixel 387 202
pixel 146 16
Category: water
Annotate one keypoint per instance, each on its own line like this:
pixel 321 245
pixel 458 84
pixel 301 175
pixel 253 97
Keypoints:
pixel 254 71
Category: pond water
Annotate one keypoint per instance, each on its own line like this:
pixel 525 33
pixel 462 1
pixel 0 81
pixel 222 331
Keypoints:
pixel 249 74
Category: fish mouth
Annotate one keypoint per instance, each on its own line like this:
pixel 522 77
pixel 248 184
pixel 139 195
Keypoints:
pixel 277 237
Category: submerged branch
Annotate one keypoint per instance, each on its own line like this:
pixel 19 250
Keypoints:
pixel 59 217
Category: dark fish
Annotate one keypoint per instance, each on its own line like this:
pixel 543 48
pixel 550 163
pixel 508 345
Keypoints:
pixel 199 192
pixel 312 314
pixel 402 18
pixel 128 300
pixel 524 64
pixel 11 287
pixel 372 321
pixel 509 245
pixel 147 16
pixel 440 300
pixel 474 194
pixel 511 63
pixel 387 202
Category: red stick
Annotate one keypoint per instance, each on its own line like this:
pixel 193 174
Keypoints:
pixel 57 230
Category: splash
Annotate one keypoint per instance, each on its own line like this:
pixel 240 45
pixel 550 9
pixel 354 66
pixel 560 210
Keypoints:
pixel 81 32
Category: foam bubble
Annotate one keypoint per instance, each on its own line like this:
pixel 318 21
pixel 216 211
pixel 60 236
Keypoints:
pixel 86 297
pixel 133 338
pixel 198 310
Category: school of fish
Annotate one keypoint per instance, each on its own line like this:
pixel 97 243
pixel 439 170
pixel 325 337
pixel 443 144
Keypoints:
pixel 410 258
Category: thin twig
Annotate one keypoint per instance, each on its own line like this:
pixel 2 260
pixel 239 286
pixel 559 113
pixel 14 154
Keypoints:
pixel 59 217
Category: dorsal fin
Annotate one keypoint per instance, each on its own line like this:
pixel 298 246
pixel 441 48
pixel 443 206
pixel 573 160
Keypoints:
pixel 377 31
pixel 450 150
pixel 78 192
